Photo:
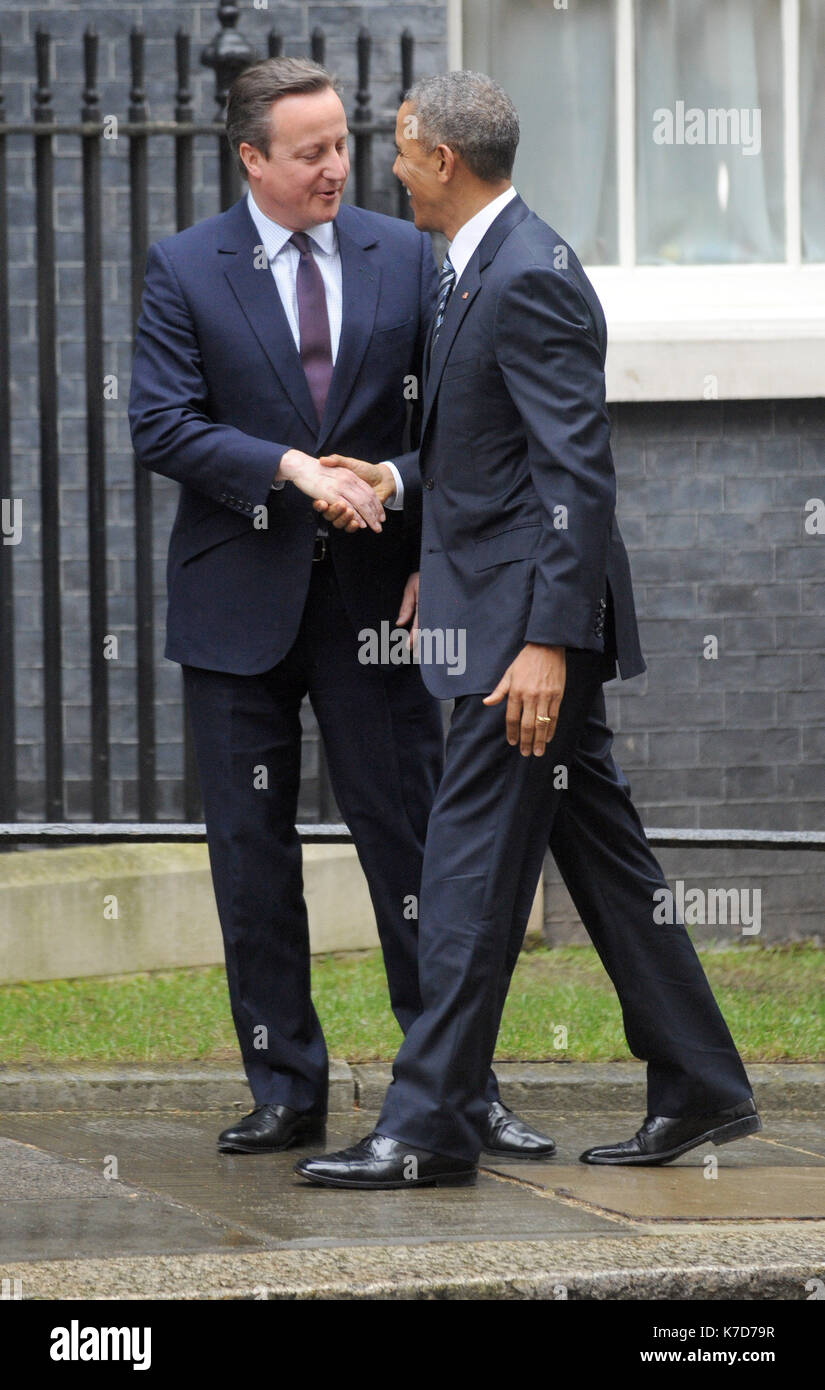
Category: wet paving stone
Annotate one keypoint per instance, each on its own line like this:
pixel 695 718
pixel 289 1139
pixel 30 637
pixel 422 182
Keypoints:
pixel 59 1228
pixel 175 1194
pixel 674 1193
pixel 55 1207
pixel 258 1198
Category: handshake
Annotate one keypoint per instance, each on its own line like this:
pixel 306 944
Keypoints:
pixel 348 492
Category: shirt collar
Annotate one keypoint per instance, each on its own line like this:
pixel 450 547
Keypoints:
pixel 274 237
pixel 470 236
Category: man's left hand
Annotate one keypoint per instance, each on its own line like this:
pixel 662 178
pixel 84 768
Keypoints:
pixel 408 611
pixel 533 685
pixel 378 475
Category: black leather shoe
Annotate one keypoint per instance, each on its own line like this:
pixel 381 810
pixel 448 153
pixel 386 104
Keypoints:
pixel 268 1129
pixel 380 1162
pixel 661 1139
pixel 507 1136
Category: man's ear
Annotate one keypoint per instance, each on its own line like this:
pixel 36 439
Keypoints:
pixel 445 163
pixel 252 159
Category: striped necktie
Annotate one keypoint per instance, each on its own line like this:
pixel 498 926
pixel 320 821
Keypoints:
pixel 446 280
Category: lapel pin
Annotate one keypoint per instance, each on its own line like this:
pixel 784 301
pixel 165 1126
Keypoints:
pixel 466 294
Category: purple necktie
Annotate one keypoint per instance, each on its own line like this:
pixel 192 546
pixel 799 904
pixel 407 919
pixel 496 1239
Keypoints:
pixel 313 324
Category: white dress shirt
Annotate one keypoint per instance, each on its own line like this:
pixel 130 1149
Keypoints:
pixel 284 258
pixel 469 237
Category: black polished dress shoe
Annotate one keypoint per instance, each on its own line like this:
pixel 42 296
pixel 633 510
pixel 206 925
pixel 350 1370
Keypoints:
pixel 507 1136
pixel 268 1129
pixel 380 1162
pixel 661 1139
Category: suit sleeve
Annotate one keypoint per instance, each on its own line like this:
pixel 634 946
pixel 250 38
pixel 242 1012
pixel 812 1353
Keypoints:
pixel 172 433
pixel 552 363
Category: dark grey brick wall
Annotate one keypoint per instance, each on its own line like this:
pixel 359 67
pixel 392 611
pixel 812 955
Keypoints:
pixel 66 23
pixel 711 497
pixel 712 506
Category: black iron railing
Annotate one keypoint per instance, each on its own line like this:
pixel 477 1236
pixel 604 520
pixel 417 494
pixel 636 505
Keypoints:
pixel 335 832
pixel 228 54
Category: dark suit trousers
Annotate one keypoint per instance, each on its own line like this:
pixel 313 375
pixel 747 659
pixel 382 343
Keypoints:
pixel 494 814
pixel 383 737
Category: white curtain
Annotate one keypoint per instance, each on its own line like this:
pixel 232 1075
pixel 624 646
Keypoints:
pixel 699 203
pixel 812 127
pixel 558 66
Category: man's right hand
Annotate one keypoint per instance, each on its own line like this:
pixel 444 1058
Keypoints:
pixel 354 503
pixel 377 475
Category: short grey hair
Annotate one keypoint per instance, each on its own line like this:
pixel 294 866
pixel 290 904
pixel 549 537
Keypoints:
pixel 473 115
pixel 249 104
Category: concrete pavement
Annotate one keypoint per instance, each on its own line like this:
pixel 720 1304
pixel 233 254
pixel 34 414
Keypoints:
pixel 105 1198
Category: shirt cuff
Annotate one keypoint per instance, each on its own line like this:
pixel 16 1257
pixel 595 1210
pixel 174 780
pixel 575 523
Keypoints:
pixel 396 503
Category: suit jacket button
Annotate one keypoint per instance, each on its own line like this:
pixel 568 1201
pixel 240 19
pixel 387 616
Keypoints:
pixel 429 484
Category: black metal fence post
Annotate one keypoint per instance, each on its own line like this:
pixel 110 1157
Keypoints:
pixel 144 578
pixel 228 53
pixel 49 476
pixel 362 122
pixel 318 46
pixel 8 723
pixel 184 144
pixel 95 439
pixel 407 50
pixel 184 217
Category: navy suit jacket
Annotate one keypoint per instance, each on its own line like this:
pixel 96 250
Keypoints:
pixel 219 394
pixel 520 541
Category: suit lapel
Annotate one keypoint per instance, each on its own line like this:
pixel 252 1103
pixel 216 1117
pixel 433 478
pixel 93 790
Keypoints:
pixel 360 286
pixel 250 276
pixel 460 301
pixel 463 295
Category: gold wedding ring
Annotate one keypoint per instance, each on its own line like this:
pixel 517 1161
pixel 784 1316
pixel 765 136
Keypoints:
pixel 544 719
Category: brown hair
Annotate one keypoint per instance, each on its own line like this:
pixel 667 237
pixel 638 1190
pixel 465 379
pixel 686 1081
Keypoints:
pixel 249 104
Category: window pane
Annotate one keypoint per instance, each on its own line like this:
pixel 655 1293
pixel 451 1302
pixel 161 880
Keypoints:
pixel 558 66
pixel 709 131
pixel 812 127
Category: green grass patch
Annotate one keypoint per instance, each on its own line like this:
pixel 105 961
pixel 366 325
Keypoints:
pixel 772 997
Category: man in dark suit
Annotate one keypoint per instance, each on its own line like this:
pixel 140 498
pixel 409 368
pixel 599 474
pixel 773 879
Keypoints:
pixel 522 553
pixel 287 325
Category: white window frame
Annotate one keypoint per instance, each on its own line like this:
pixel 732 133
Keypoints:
pixel 733 332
